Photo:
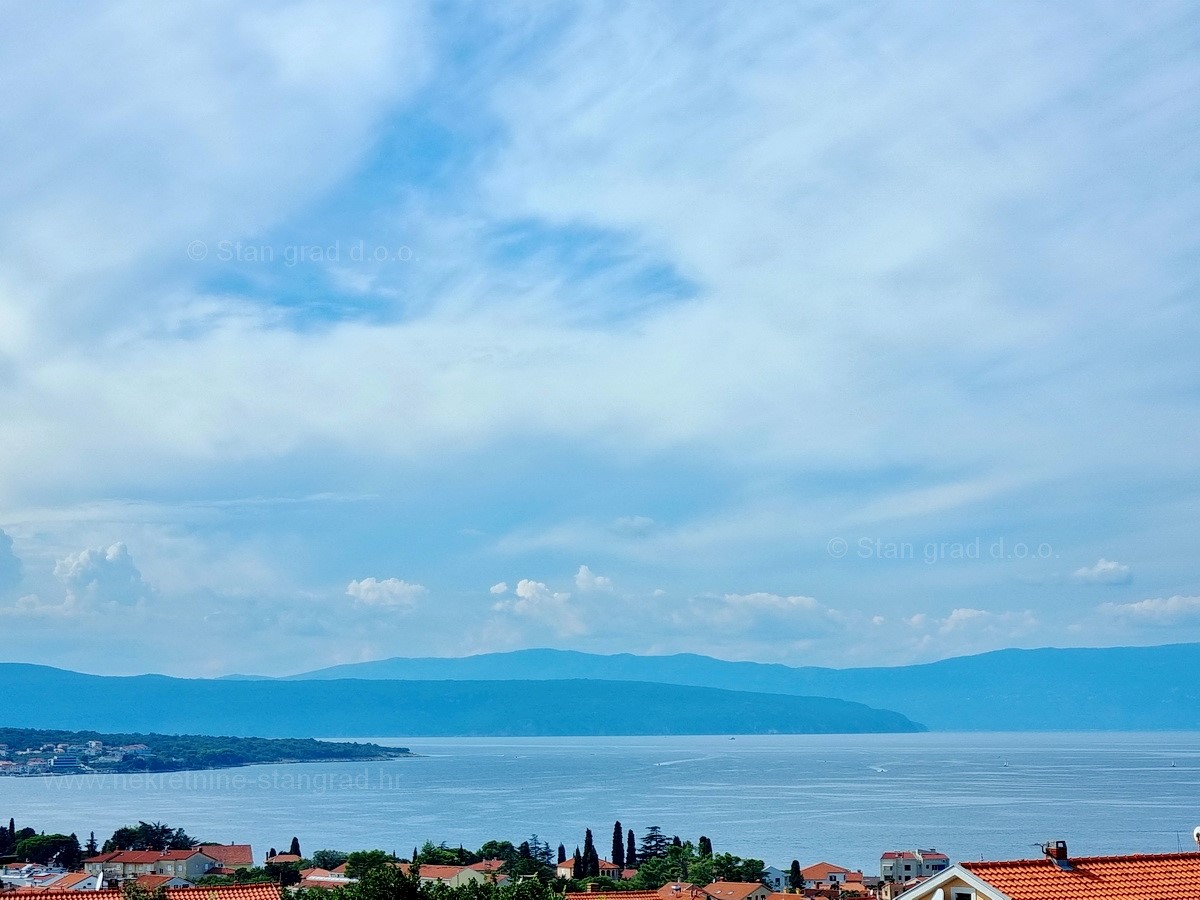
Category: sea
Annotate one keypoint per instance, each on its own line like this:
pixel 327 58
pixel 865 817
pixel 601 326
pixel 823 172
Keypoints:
pixel 840 798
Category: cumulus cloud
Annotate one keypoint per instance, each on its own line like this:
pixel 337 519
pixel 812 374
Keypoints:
pixel 102 576
pixel 1105 571
pixel 391 593
pixel 981 622
pixel 10 565
pixel 763 610
pixel 586 580
pixel 536 601
pixel 1157 611
pixel 500 587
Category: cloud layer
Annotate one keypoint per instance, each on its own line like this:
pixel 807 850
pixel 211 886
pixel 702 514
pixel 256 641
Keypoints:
pixel 686 291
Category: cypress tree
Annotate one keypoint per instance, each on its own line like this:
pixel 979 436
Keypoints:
pixel 577 865
pixel 618 845
pixel 591 860
pixel 562 854
pixel 704 848
pixel 795 878
pixel 675 841
pixel 294 849
pixel 631 856
pixel 91 848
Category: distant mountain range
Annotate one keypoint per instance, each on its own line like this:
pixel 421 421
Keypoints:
pixel 1089 689
pixel 44 697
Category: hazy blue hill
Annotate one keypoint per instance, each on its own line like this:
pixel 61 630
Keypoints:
pixel 43 697
pixel 1115 688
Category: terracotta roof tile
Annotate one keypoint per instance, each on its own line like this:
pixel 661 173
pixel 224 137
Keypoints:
pixel 612 895
pixel 233 856
pixel 732 890
pixel 821 871
pixel 265 891
pixel 1165 876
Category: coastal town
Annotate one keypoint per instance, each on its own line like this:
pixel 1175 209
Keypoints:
pixel 32 752
pixel 72 758
pixel 56 867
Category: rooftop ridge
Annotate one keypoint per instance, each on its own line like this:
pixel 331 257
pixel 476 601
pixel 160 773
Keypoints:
pixel 1081 860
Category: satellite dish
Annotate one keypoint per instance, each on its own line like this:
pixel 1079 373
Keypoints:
pixel 1196 835
pixel 939 894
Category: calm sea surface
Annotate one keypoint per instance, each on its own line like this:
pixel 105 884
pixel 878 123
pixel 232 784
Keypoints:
pixel 839 798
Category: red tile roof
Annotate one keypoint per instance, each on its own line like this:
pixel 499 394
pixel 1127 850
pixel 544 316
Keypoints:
pixel 283 858
pixel 150 882
pixel 68 881
pixel 143 857
pixel 821 871
pixel 487 865
pixel 733 890
pixel 1165 876
pixel 264 891
pixel 432 872
pixel 232 856
pixel 611 895
pixel 127 857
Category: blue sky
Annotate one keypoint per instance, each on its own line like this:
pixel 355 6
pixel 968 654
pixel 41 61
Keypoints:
pixel 840 334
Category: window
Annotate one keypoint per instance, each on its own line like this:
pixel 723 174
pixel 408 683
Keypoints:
pixel 962 894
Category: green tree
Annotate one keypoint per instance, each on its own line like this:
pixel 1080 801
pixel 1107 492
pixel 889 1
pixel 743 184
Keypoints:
pixel 294 849
pixel 704 847
pixel 795 876
pixel 131 890
pixel 328 859
pixel 654 843
pixel 727 867
pixel 618 845
pixel 92 847
pixel 562 854
pixel 631 857
pixel 497 850
pixel 47 849
pixel 360 862
pixel 653 873
pixel 148 836
pixel 591 860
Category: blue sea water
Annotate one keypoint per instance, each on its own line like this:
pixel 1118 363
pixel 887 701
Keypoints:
pixel 839 798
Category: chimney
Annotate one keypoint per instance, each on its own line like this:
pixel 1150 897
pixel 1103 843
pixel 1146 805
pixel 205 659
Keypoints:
pixel 1055 850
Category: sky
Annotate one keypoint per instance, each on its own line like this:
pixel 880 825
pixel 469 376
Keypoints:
pixel 818 333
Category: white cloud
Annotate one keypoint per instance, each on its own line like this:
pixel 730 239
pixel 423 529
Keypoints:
pixel 537 602
pixel 10 565
pixel 500 587
pixel 1158 611
pixel 1105 571
pixel 586 580
pixel 391 593
pixel 982 627
pixel 102 576
pixel 761 611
